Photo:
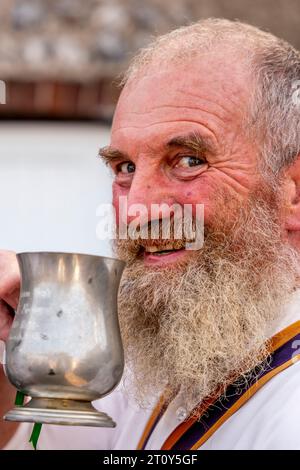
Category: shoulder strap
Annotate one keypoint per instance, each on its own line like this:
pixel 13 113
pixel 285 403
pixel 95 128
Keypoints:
pixel 192 433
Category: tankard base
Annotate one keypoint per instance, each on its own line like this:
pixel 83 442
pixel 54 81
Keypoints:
pixel 60 411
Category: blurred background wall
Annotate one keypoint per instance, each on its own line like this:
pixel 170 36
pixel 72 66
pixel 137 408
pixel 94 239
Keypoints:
pixel 51 186
pixel 60 60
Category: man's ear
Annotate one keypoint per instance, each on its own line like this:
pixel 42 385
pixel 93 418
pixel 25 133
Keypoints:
pixel 292 205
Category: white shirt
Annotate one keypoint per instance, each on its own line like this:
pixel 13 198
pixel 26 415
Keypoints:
pixel 269 420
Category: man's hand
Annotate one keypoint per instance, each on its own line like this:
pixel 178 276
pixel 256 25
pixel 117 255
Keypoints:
pixel 9 290
pixel 9 298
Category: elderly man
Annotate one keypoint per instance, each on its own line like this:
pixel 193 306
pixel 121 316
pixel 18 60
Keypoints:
pixel 208 114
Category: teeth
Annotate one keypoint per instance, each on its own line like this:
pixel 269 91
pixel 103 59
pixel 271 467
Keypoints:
pixel 151 249
pixel 154 249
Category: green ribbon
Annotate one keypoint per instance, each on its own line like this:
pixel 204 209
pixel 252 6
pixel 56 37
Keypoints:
pixel 19 401
pixel 35 434
pixel 36 431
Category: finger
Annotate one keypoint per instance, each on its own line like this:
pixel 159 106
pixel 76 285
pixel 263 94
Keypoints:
pixel 6 320
pixel 12 298
pixel 9 278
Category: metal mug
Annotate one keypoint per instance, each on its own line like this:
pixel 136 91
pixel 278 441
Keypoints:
pixel 64 349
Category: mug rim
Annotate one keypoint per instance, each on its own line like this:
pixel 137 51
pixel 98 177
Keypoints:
pixel 19 254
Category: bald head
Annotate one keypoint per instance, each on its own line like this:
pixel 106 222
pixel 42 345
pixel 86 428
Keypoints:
pixel 273 68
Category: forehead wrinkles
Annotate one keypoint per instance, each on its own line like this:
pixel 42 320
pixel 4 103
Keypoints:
pixel 158 97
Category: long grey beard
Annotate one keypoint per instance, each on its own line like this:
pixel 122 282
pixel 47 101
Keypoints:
pixel 199 326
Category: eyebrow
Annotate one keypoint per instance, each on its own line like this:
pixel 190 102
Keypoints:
pixel 110 155
pixel 193 141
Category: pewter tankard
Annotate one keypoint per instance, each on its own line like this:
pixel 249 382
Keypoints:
pixel 64 348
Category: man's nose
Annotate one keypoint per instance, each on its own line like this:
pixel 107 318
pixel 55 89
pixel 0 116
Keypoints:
pixel 147 193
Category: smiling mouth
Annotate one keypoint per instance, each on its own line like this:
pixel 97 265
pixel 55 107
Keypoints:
pixel 161 251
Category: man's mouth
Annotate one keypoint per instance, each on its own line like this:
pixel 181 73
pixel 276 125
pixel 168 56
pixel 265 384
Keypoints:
pixel 159 251
pixel 163 254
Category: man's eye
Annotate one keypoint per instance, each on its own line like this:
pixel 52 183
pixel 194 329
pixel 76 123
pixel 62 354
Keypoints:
pixel 189 162
pixel 126 167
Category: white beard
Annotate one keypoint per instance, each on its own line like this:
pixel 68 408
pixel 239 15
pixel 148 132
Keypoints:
pixel 197 327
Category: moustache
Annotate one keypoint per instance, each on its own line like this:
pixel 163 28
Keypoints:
pixel 158 236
